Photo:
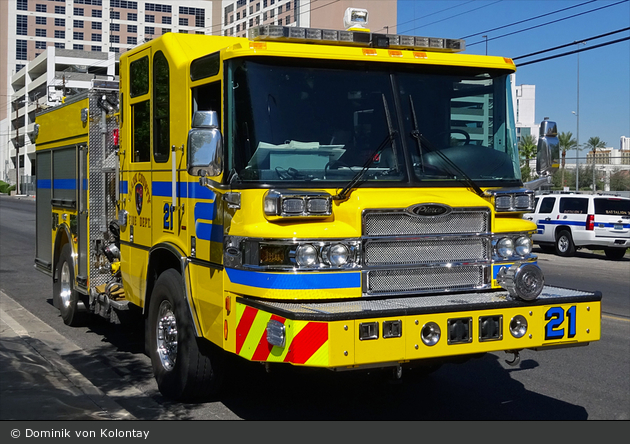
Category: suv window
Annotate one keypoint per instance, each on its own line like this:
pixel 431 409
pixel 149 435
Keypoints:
pixel 547 205
pixel 573 205
pixel 612 207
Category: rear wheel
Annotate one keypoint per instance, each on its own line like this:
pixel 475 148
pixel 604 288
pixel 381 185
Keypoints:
pixel 564 244
pixel 185 368
pixel 615 253
pixel 65 297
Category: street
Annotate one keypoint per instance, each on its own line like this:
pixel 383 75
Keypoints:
pixel 583 383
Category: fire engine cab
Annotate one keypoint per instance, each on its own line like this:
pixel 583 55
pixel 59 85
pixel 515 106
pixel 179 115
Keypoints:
pixel 307 197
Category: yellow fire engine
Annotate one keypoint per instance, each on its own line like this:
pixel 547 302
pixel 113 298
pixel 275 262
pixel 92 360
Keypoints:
pixel 323 198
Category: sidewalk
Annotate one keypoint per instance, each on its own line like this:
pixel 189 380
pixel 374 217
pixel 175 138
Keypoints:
pixel 36 383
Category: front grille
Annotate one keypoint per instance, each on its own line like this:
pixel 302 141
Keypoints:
pixel 404 253
pixel 378 253
pixel 401 223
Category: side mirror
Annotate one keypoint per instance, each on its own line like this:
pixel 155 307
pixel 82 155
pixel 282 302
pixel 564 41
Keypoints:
pixel 548 154
pixel 205 145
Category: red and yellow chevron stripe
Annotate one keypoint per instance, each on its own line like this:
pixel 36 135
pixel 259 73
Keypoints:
pixel 306 342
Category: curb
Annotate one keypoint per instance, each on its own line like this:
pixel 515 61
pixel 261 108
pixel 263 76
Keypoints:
pixel 41 339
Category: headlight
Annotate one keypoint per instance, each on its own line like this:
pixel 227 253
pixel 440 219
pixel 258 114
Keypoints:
pixel 336 254
pixel 505 247
pixel 523 246
pixel 306 255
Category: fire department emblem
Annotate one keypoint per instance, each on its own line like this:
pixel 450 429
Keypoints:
pixel 139 196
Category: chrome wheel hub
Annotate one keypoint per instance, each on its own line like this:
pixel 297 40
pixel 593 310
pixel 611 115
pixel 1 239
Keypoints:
pixel 167 336
pixel 563 244
pixel 65 291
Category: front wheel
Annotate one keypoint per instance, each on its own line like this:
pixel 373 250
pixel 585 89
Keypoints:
pixel 564 244
pixel 183 370
pixel 615 254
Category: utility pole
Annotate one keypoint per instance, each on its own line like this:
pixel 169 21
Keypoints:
pixel 486 37
pixel 577 114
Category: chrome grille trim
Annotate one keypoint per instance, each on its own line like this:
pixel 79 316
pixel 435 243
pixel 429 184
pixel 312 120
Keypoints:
pixel 382 282
pixel 406 253
pixel 399 222
pixel 427 251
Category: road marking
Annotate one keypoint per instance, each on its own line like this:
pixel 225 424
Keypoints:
pixel 615 318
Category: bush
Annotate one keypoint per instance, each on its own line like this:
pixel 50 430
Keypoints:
pixel 5 188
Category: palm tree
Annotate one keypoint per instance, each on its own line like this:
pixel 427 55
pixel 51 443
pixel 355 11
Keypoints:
pixel 592 144
pixel 527 149
pixel 566 142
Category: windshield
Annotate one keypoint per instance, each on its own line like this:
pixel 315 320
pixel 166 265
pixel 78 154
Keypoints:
pixel 318 121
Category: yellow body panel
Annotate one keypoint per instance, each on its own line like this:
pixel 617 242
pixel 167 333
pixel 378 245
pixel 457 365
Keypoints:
pixel 344 348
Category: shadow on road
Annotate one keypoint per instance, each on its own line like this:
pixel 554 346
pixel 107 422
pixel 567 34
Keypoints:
pixel 480 389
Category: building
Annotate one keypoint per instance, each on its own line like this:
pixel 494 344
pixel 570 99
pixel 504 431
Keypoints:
pixel 240 15
pixel 45 42
pixel 54 48
pixel 524 98
pixel 624 143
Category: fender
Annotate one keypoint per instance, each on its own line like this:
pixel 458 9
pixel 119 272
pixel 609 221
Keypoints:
pixel 63 230
pixel 164 256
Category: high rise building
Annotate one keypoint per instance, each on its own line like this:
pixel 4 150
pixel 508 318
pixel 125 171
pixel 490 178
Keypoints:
pixel 52 47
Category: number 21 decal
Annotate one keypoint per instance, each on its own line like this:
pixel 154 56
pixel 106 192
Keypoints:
pixel 555 316
pixel 168 217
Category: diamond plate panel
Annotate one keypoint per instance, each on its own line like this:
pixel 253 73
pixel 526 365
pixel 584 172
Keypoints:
pixel 372 308
pixel 101 183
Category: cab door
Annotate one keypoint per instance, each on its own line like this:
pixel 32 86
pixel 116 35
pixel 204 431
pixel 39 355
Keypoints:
pixel 136 171
pixel 544 220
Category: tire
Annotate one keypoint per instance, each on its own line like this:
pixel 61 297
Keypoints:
pixel 615 254
pixel 564 244
pixel 65 296
pixel 185 368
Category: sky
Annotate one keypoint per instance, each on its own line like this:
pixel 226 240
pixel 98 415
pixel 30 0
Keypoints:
pixel 604 73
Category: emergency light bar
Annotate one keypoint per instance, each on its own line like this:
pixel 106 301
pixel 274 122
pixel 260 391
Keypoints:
pixel 355 38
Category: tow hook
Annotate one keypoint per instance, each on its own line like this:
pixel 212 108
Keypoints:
pixel 515 360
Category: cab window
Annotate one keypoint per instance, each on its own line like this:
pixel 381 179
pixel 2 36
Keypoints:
pixel 547 205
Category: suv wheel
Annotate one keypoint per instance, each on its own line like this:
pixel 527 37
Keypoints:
pixel 564 244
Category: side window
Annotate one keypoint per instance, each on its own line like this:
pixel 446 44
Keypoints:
pixel 207 98
pixel 139 77
pixel 140 110
pixel 161 108
pixel 547 205
pixel 141 114
pixel 573 205
pixel 536 199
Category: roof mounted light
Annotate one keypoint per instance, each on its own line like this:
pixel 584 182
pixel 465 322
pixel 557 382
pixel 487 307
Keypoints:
pixel 355 19
pixel 363 38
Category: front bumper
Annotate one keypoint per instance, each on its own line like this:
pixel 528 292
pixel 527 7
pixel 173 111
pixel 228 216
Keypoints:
pixel 327 334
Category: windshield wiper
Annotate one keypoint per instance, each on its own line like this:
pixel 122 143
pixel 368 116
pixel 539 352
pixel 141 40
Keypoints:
pixel 421 140
pixel 358 178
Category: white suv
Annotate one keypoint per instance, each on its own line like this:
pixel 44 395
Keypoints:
pixel 569 221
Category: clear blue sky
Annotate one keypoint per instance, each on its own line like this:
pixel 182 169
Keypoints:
pixel 604 104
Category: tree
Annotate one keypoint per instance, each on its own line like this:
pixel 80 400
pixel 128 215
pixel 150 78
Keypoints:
pixel 566 142
pixel 592 144
pixel 527 150
pixel 620 180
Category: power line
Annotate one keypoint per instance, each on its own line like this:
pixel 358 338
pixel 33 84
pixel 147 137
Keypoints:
pixel 528 19
pixel 450 17
pixel 548 23
pixel 575 52
pixel 571 44
pixel 428 15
